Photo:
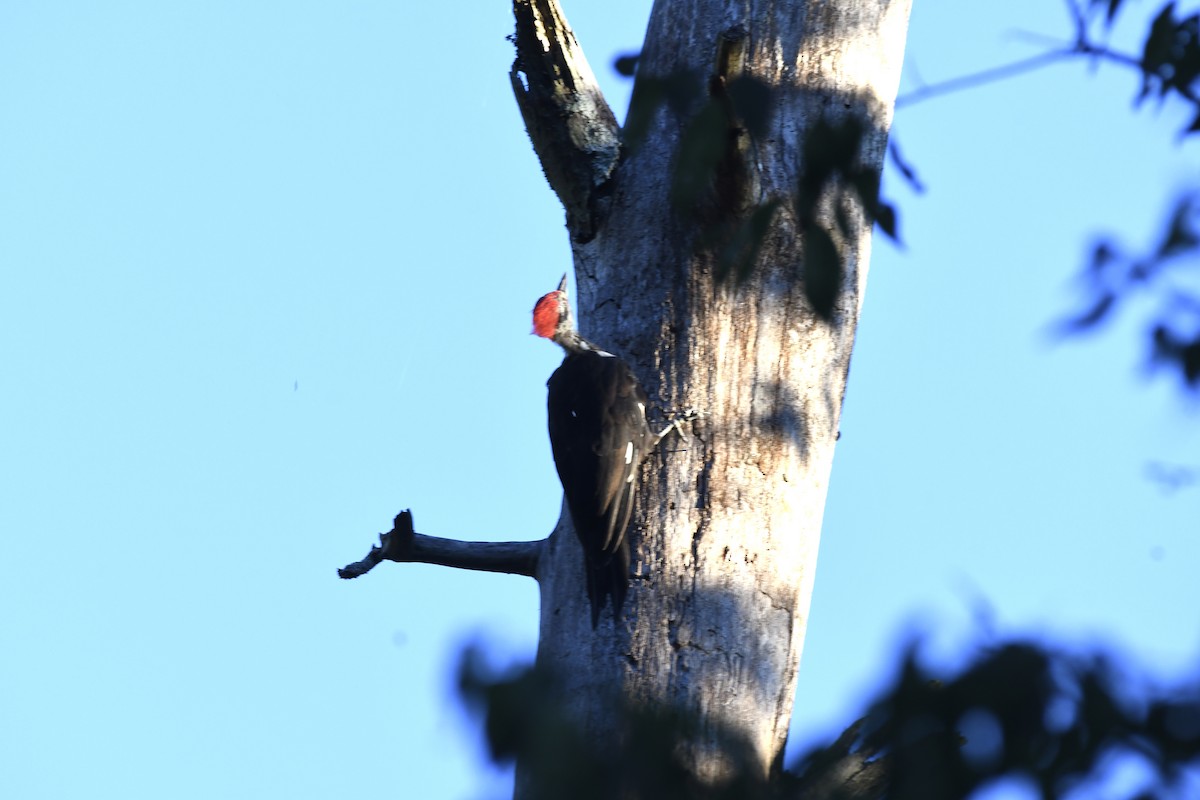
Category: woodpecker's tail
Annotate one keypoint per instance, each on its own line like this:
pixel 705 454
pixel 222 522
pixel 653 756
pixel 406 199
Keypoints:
pixel 609 578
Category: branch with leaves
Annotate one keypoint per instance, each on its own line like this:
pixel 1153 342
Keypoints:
pixel 1021 710
pixel 1169 66
pixel 1169 63
pixel 1113 276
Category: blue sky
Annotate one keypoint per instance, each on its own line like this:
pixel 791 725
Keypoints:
pixel 265 278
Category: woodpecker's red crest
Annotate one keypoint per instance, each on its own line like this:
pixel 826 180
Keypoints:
pixel 546 316
pixel 551 311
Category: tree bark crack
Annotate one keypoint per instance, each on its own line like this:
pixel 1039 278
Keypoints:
pixel 775 604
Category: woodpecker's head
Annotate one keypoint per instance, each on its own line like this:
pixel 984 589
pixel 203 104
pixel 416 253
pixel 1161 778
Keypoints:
pixel 552 314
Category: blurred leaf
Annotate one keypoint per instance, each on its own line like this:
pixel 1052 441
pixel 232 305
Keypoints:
pixel 1163 342
pixel 1103 254
pixel 1171 56
pixel 1175 725
pixel 1177 350
pixel 1061 719
pixel 1195 126
pixel 509 703
pixel 885 218
pixel 1189 361
pixel 1181 234
pixel 822 271
pixel 626 65
pixel 1113 7
pixel 1166 274
pixel 1171 477
pixel 906 169
pixel 1156 52
pixel 1093 316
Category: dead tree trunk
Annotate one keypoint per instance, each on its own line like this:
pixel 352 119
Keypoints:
pixel 725 534
pixel 727 524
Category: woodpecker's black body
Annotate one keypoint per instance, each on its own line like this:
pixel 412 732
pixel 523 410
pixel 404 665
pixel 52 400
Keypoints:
pixel 599 437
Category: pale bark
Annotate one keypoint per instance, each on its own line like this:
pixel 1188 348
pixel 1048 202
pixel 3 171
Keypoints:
pixel 725 535
pixel 727 524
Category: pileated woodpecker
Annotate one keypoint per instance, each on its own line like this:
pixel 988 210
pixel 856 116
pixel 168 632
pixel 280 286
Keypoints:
pixel 599 436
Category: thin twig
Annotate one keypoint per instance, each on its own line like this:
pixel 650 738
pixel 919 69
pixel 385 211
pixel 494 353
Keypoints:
pixel 1080 19
pixel 1081 47
pixel 984 76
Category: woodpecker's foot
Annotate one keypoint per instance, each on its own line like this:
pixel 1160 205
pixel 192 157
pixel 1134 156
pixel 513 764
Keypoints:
pixel 395 545
pixel 684 416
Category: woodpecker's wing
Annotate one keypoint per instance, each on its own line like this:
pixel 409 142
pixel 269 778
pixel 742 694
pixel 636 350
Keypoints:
pixel 599 436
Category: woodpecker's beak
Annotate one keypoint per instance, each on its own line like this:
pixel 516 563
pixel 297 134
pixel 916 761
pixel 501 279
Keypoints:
pixel 562 285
